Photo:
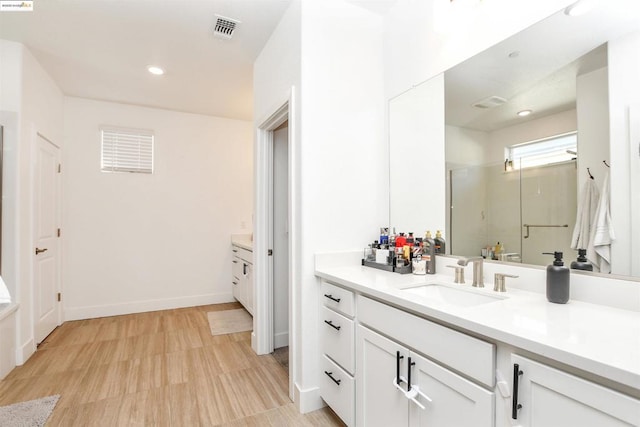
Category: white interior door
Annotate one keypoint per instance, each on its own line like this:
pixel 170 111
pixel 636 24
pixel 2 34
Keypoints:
pixel 46 247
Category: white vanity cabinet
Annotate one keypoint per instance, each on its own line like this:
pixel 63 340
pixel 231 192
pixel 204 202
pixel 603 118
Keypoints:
pixel 337 342
pixel 397 385
pixel 547 397
pixel 242 276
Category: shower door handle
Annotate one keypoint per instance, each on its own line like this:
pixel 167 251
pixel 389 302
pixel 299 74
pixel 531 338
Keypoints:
pixel 527 226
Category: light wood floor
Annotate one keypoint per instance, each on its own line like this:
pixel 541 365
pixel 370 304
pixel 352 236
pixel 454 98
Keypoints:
pixel 162 368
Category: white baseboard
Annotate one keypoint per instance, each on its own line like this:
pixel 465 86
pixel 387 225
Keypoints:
pixel 280 339
pixel 308 400
pixel 25 351
pixel 91 312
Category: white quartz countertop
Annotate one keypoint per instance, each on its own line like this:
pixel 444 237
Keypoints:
pixel 598 339
pixel 242 240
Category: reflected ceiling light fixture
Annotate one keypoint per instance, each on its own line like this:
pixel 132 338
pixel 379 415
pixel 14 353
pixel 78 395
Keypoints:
pixel 156 71
pixel 580 7
pixel 524 113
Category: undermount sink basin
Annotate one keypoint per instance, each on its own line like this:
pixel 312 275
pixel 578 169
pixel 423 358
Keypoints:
pixel 453 294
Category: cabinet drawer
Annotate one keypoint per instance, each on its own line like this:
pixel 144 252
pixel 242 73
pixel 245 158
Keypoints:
pixel 337 338
pixel 468 355
pixel 338 299
pixel 236 268
pixel 242 253
pixel 337 388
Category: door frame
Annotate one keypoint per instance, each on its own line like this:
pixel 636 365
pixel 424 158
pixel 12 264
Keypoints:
pixel 262 340
pixel 34 166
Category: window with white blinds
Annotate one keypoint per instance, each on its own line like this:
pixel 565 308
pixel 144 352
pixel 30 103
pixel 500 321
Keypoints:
pixel 127 150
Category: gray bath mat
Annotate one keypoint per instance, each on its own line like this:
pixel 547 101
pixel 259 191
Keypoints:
pixel 230 321
pixel 33 413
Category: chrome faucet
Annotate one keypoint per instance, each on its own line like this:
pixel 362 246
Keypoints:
pixel 478 278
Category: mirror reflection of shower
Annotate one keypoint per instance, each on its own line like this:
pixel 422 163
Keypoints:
pixel 513 213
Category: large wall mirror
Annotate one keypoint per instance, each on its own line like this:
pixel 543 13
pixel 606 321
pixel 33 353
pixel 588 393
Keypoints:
pixel 518 179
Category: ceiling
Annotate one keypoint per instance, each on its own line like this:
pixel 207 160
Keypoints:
pixel 542 76
pixel 100 49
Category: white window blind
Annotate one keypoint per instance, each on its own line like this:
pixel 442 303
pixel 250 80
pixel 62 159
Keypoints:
pixel 126 150
pixel 557 149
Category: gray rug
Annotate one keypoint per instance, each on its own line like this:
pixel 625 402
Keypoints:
pixel 230 321
pixel 33 413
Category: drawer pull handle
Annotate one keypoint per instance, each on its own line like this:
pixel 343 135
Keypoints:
pixel 332 298
pixel 244 268
pixel 234 261
pixel 514 400
pixel 398 358
pixel 330 375
pixel 330 323
pixel 234 250
pixel 409 374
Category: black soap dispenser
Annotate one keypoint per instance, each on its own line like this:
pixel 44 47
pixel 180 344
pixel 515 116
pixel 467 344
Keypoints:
pixel 557 280
pixel 581 263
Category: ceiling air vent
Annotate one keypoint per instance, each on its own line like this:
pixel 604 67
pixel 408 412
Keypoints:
pixel 490 102
pixel 224 27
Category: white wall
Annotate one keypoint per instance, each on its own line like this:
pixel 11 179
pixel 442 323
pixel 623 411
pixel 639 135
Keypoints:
pixel 593 125
pixel 414 118
pixel 136 242
pixel 10 101
pixel 624 92
pixel 343 147
pixel 465 146
pixel 34 104
pixel 339 149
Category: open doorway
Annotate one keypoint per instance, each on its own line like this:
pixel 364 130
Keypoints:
pixel 280 240
pixel 275 237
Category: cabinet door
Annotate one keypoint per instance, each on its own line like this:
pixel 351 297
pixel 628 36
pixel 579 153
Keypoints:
pixel 378 401
pixel 455 401
pixel 550 397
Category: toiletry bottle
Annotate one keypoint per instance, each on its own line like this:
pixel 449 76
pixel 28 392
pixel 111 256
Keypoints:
pixel 410 239
pixel 429 253
pixel 440 243
pixel 401 240
pixel 581 263
pixel 557 280
pixel 384 235
pixel 497 251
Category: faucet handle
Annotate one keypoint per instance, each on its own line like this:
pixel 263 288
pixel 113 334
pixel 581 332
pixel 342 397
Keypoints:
pixel 499 281
pixel 459 274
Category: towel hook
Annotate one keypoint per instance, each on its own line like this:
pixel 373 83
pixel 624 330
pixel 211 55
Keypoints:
pixel 589 172
pixel 605 163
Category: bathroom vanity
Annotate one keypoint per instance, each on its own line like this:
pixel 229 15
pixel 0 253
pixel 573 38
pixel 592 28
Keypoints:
pixel 421 350
pixel 242 270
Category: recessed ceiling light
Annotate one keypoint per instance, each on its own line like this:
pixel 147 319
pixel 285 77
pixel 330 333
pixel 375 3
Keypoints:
pixel 524 113
pixel 155 70
pixel 579 8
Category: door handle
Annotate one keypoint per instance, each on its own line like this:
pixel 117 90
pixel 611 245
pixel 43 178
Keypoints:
pixel 38 250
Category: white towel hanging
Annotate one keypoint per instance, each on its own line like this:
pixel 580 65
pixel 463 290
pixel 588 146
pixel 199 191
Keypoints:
pixel 602 235
pixel 585 217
